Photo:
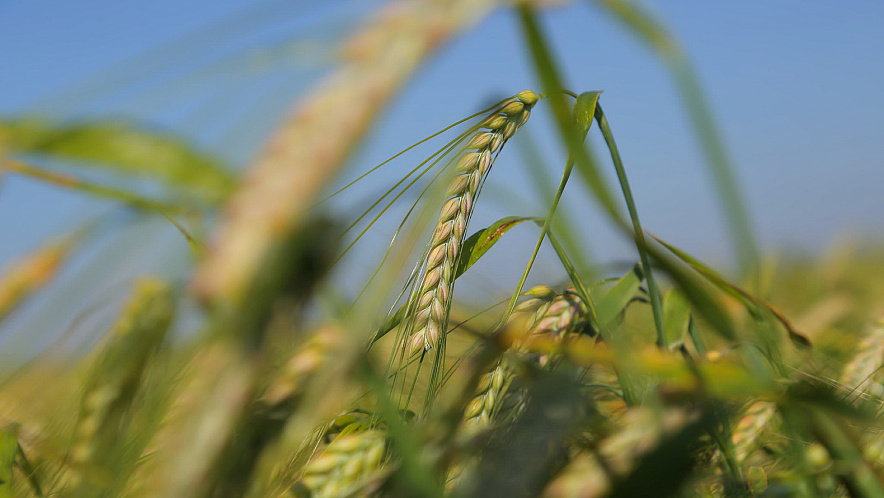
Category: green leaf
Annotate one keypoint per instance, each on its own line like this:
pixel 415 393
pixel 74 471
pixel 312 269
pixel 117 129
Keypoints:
pixel 638 231
pixel 480 242
pixel 473 248
pixel 744 297
pixel 676 317
pixel 122 149
pixel 589 170
pixel 613 304
pixel 648 29
pixel 8 451
pixel 583 113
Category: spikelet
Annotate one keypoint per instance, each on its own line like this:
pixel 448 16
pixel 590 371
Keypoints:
pixel 745 433
pixel 563 315
pixel 116 375
pixel 858 375
pixel 31 273
pixel 346 466
pixel 292 380
pixel 8 452
pixel 491 387
pixel 436 285
pixel 553 314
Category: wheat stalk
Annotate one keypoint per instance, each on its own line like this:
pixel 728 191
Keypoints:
pixel 745 435
pixel 435 289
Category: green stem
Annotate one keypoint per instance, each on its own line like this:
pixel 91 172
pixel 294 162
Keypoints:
pixel 544 230
pixel 623 377
pixel 96 190
pixel 641 243
pixel 594 181
pixel 651 31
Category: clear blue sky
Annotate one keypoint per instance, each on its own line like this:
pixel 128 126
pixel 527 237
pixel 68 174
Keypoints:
pixel 795 85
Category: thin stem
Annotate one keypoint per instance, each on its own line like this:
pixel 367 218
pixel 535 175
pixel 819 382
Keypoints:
pixel 67 181
pixel 655 35
pixel 543 231
pixel 641 243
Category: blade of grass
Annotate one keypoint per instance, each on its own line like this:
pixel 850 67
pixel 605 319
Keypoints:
pixel 545 69
pixel 67 181
pixel 651 31
pixel 8 451
pixel 562 223
pixel 25 465
pixel 623 377
pixel 615 301
pixel 122 149
pixel 744 297
pixel 677 315
pixel 656 306
pixel 483 240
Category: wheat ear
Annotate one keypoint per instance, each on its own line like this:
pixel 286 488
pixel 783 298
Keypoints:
pixel 859 374
pixel 555 314
pixel 28 275
pixel 745 434
pixel 116 375
pixel 346 465
pixel 434 291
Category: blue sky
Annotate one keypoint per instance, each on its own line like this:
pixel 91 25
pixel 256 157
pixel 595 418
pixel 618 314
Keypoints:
pixel 795 86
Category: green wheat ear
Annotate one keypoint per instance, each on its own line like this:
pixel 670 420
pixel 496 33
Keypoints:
pixel 433 297
pixel 116 376
pixel 347 465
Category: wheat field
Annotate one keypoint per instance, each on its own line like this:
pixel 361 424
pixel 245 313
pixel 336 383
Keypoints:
pixel 660 376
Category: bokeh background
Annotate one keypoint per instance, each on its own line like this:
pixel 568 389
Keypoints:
pixel 795 88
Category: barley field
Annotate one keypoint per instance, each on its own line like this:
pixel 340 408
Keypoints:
pixel 319 338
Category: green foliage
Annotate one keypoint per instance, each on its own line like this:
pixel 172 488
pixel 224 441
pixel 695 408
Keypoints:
pixel 121 149
pixel 482 241
pixel 669 379
pixel 8 452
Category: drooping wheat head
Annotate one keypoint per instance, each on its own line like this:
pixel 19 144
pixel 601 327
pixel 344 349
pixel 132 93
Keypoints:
pixel 434 291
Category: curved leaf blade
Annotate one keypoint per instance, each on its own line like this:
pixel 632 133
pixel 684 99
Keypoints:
pixel 676 317
pixel 612 304
pixel 482 241
pixel 8 451
pixel 745 298
pixel 123 149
